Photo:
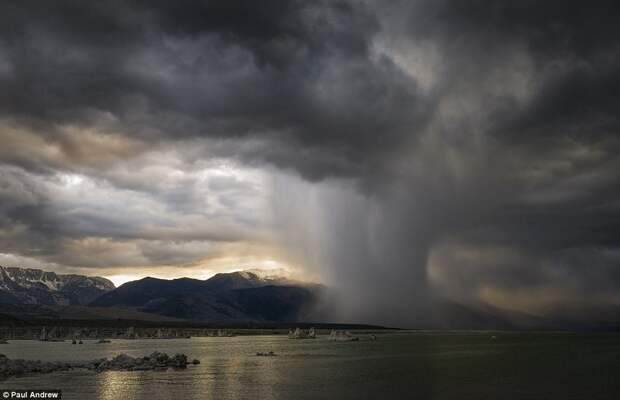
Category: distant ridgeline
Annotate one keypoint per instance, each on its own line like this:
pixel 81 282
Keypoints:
pixel 31 298
pixel 236 296
pixel 19 286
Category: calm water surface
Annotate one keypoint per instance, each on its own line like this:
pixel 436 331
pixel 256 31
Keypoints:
pixel 397 366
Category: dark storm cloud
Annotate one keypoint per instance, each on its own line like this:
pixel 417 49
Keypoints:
pixel 302 73
pixel 482 136
pixel 513 187
pixel 298 73
pixel 573 46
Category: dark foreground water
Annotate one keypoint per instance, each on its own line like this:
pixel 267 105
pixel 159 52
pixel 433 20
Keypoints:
pixel 396 366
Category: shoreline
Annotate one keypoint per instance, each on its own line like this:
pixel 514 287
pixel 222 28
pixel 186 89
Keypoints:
pixel 54 329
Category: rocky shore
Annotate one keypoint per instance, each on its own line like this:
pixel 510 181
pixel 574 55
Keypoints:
pixel 155 362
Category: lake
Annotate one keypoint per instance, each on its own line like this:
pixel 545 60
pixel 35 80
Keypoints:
pixel 403 365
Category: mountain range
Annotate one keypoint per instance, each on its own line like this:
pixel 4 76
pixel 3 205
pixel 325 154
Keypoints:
pixel 20 286
pixel 223 297
pixel 235 296
pixel 243 296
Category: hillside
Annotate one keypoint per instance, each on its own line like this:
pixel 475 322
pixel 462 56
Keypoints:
pixel 232 296
pixel 21 286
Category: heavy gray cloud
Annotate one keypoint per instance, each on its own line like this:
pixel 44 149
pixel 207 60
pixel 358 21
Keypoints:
pixel 399 151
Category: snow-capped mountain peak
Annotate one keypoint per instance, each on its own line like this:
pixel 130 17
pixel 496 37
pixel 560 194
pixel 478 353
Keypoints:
pixel 35 286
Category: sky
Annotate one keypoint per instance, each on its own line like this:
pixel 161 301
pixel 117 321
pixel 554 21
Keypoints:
pixel 398 151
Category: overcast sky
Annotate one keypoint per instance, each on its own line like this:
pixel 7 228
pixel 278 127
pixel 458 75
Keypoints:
pixel 395 150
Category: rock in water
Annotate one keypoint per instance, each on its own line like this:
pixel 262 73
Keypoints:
pixel 10 367
pixel 122 362
pixel 179 361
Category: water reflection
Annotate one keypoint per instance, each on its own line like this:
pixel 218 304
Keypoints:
pixel 116 385
pixel 424 366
